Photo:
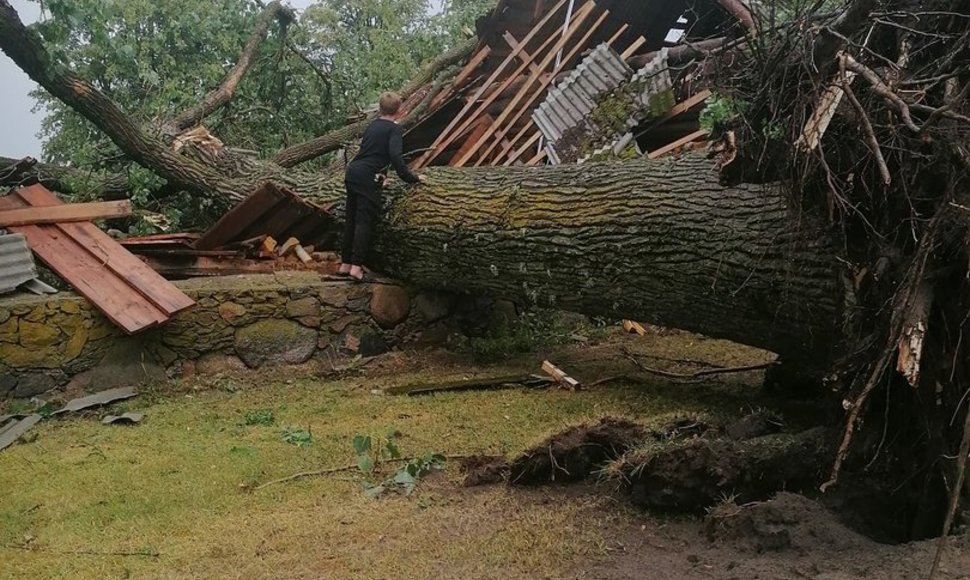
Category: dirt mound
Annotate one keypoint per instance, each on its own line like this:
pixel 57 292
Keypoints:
pixel 575 453
pixel 484 469
pixel 785 521
pixel 694 474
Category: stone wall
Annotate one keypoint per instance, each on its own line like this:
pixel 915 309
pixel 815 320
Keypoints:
pixel 49 342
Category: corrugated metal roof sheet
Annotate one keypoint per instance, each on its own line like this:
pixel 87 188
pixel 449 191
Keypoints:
pixel 569 104
pixel 16 262
pixel 655 97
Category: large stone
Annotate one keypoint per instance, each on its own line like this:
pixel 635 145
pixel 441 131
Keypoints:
pixel 37 383
pixel 38 335
pixel 7 382
pixel 218 363
pixel 126 363
pixel 275 342
pixel 303 307
pixel 389 305
pixel 433 305
pixel 8 330
pixel 230 311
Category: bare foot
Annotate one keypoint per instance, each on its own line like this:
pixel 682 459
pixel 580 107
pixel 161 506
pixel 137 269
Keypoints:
pixel 344 269
pixel 357 272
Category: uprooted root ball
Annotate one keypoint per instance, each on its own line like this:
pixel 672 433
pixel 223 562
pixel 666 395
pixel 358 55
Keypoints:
pixel 693 474
pixel 577 452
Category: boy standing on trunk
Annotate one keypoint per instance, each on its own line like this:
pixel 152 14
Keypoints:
pixel 380 147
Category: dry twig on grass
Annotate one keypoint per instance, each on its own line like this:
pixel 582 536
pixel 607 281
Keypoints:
pixel 697 374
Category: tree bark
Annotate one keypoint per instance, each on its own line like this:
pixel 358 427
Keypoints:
pixel 69 180
pixel 658 241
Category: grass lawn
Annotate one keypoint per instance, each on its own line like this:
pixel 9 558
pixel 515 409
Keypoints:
pixel 174 493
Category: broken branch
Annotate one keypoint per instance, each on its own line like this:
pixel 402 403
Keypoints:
pixel 220 96
pixel 696 374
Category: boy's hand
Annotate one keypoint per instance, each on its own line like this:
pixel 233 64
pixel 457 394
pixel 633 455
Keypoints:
pixel 422 178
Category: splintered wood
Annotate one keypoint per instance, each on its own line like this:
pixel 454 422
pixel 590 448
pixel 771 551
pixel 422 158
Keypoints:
pixel 634 327
pixel 124 288
pixel 560 376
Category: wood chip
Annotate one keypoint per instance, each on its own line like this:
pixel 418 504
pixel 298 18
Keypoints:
pixel 560 376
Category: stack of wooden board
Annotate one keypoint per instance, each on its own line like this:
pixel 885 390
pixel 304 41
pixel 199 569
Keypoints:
pixel 125 289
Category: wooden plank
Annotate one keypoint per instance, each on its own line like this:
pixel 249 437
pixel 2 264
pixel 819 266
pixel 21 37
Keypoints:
pixel 528 144
pixel 119 302
pixel 462 120
pixel 462 77
pixel 531 95
pixel 524 56
pixel 284 217
pixel 559 375
pixel 538 157
pixel 480 127
pixel 632 49
pixel 686 105
pixel 75 212
pixel 677 144
pixel 115 258
pixel 231 225
pixel 518 137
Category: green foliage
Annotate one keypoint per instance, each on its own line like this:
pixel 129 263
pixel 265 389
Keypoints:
pixel 719 110
pixel 263 417
pixel 371 456
pixel 298 437
pixel 156 58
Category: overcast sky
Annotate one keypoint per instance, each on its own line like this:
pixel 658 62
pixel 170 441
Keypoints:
pixel 18 125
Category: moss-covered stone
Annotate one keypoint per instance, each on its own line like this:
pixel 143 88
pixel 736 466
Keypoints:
pixel 274 342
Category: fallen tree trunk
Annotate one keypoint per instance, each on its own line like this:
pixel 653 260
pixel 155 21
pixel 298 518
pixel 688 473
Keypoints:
pixel 659 241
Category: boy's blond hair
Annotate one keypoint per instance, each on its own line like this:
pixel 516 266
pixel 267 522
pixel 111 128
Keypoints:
pixel 390 103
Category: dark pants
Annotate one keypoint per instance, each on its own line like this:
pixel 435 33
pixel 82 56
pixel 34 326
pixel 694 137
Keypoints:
pixel 362 213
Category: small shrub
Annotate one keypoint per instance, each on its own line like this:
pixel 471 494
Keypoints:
pixel 298 437
pixel 263 417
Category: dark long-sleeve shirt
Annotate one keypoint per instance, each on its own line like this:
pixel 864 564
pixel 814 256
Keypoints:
pixel 380 147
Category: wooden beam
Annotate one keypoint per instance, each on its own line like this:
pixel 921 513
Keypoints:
pixel 632 49
pixel 463 119
pixel 530 95
pixel 668 148
pixel 462 77
pixel 678 109
pixel 75 212
pixel 616 35
pixel 518 153
pixel 538 157
pixel 480 127
pixel 524 56
pixel 686 105
pixel 612 40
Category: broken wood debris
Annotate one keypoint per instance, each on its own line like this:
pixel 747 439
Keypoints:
pixel 559 376
pixel 633 327
pixel 491 383
pixel 73 212
pixel 128 292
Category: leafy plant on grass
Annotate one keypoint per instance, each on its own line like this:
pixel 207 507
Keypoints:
pixel 263 417
pixel 371 456
pixel 298 437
